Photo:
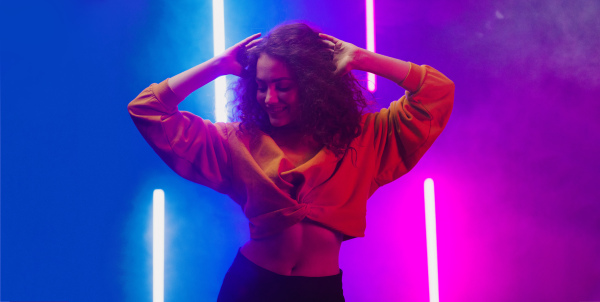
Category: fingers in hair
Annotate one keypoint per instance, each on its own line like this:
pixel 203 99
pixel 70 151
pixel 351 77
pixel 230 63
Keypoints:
pixel 253 43
pixel 328 37
pixel 249 39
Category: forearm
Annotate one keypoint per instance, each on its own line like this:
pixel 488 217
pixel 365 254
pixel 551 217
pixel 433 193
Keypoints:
pixel 188 81
pixel 387 67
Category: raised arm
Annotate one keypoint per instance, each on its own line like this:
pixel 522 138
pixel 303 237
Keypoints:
pixel 194 148
pixel 348 57
pixel 401 134
pixel 188 81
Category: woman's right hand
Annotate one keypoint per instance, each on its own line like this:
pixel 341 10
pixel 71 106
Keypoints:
pixel 229 61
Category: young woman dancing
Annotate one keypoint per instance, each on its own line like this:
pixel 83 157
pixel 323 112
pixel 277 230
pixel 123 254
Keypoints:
pixel 303 158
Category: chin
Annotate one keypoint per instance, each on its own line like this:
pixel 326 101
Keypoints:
pixel 279 123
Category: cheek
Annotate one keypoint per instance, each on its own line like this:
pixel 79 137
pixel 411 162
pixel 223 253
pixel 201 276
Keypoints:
pixel 295 109
pixel 260 98
pixel 294 99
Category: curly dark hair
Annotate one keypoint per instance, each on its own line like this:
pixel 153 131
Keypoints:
pixel 331 105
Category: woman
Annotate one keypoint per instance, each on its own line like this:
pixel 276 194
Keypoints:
pixel 304 159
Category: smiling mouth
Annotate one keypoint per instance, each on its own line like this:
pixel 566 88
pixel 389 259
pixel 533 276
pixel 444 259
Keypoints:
pixel 276 110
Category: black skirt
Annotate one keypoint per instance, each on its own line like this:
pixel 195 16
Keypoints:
pixel 248 282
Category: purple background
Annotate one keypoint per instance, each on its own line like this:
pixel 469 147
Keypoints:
pixel 516 170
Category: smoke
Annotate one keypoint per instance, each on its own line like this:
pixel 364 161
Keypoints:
pixel 547 37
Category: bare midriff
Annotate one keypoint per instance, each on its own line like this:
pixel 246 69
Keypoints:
pixel 304 249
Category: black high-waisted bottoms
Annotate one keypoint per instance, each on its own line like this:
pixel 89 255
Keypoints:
pixel 248 282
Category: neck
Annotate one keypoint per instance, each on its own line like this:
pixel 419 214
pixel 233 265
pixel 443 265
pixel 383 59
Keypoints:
pixel 286 131
pixel 291 136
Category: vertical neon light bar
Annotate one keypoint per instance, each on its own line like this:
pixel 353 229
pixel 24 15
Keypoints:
pixel 219 47
pixel 430 228
pixel 158 246
pixel 371 80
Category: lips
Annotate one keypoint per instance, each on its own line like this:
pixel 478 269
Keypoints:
pixel 275 110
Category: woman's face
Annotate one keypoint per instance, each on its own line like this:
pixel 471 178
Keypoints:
pixel 277 91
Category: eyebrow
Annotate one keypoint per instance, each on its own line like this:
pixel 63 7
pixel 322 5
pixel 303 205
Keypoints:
pixel 276 80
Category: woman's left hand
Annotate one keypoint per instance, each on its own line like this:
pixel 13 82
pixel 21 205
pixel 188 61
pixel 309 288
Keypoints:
pixel 344 53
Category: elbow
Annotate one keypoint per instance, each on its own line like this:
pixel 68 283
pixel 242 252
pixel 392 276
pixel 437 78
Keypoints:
pixel 445 104
pixel 447 86
pixel 134 110
pixel 451 86
pixel 448 94
pixel 131 107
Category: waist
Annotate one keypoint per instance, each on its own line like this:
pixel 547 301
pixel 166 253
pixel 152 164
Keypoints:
pixel 304 249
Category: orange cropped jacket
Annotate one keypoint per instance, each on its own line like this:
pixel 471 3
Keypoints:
pixel 273 193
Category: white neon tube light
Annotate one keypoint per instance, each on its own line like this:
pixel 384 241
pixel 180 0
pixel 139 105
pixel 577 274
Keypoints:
pixel 219 47
pixel 371 80
pixel 430 229
pixel 158 246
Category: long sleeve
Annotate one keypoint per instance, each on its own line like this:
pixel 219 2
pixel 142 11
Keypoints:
pixel 194 148
pixel 402 133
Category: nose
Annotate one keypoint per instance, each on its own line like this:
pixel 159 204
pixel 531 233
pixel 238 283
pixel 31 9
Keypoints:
pixel 271 97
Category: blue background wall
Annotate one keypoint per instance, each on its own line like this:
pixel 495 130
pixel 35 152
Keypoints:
pixel 516 170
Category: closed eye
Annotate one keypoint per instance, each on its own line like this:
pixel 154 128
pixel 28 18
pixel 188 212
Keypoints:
pixel 283 85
